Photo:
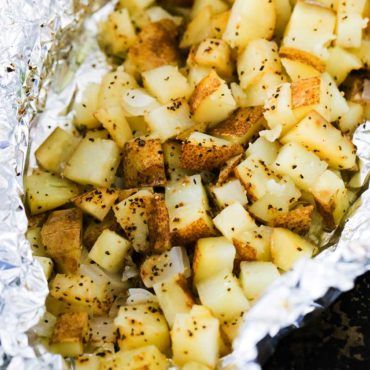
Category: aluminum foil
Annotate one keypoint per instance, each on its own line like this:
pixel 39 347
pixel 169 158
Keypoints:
pixel 43 55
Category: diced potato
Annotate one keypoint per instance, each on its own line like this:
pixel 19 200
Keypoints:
pixel 283 10
pixel 332 197
pixel 340 63
pixel 227 171
pixel 156 46
pixel 298 70
pixel 250 20
pixel 211 256
pixel 161 268
pixel 233 220
pixel 81 293
pixel 205 152
pixel 143 163
pixel 305 95
pixel 241 126
pixel 169 120
pixel 102 332
pixel 212 101
pixel 222 294
pixel 216 54
pixel 33 236
pixel 260 56
pixel 174 297
pixel 98 133
pixel 228 193
pixel 109 251
pixel 301 165
pixel 231 328
pixel 263 150
pixel 61 235
pixel 117 33
pixel 46 264
pixel 45 326
pixel 172 158
pixel 131 215
pixel 88 362
pixel 196 74
pixel 217 6
pixel 134 5
pixel 287 248
pixel 256 277
pixel 363 52
pixel 94 162
pixel 352 119
pixel 137 102
pixel 69 333
pixel 188 209
pixel 298 220
pixel 140 296
pixel 326 141
pixel 195 337
pixel 310 28
pixel 85 106
pixel 142 325
pixel 148 357
pixel 114 121
pixel 166 83
pixel 157 13
pixel 192 365
pixel 55 151
pixel 46 191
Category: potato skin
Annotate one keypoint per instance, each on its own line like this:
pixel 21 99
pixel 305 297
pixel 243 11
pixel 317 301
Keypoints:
pixel 244 252
pixel 156 46
pixel 303 57
pixel 298 220
pixel 61 235
pixel 227 170
pixel 70 327
pixel 143 163
pixel 306 92
pixel 196 230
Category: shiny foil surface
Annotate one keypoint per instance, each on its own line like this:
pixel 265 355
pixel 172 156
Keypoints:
pixel 47 54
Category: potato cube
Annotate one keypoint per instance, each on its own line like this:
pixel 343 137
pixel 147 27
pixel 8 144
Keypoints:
pixel 188 209
pixel 212 101
pixel 206 152
pixel 298 70
pixel 46 265
pixel 46 191
pixel 256 277
pixel 195 337
pixel 61 235
pixel 227 171
pixel 143 163
pixel 102 332
pixel 33 236
pixel 69 333
pixel 217 6
pixel 352 119
pixel 88 362
pixel 222 294
pixel 174 297
pixel 216 54
pixel 142 325
pixel 211 256
pixel 94 162
pixel 166 83
pixel 109 251
pixel 298 220
pixel 45 326
pixel 55 151
pixel 305 93
pixel 263 150
pixel 283 10
pixel 250 20
pixel 136 102
pixel 241 126
pixel 169 120
pixel 228 193
pixel 172 158
pixel 134 5
pixel 192 365
pixel 287 248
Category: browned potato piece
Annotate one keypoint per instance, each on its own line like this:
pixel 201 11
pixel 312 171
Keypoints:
pixel 228 169
pixel 298 220
pixel 156 46
pixel 305 92
pixel 158 223
pixel 69 334
pixel 205 152
pixel 241 126
pixel 143 163
pixel 61 235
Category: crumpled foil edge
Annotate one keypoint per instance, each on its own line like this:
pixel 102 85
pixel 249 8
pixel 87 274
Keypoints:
pixel 31 54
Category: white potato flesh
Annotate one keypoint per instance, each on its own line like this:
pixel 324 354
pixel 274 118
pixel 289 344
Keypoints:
pixel 228 193
pixel 47 265
pixel 217 6
pixel 263 150
pixel 137 102
pixel 297 70
pixel 352 119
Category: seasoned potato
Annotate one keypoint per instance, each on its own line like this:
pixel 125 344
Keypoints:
pixel 205 152
pixel 228 169
pixel 212 101
pixel 136 102
pixel 352 119
pixel 195 337
pixel 56 150
pixel 298 70
pixel 143 163
pixel 287 248
pixel 172 157
pixel 46 264
pixel 217 6
pixel 99 172
pixel 283 10
pixel 305 92
pixel 33 236
pixel 241 126
pixel 46 191
pixel 298 220
pixel 228 193
pixel 69 334
pixel 250 20
pixel 61 235
pixel 211 256
pixel 188 209
pixel 134 5
pixel 141 325
pixel 263 150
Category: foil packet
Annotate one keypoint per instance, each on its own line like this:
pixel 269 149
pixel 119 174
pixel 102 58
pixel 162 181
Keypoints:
pixel 48 52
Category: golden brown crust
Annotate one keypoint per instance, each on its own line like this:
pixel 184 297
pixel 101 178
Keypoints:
pixel 241 126
pixel 125 193
pixel 198 127
pixel 206 87
pixel 61 235
pixel 183 283
pixel 297 220
pixel 326 205
pixel 306 92
pixel 244 251
pixel 156 46
pixel 70 328
pixel 143 163
pixel 158 223
pixel 191 233
pixel 36 220
pixel 228 169
pixel 303 57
